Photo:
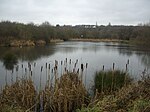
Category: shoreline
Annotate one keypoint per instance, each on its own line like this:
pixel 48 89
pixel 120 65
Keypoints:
pixel 99 40
pixel 28 43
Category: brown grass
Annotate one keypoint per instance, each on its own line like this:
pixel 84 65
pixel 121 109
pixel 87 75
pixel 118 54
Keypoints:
pixel 133 98
pixel 66 95
pixel 20 94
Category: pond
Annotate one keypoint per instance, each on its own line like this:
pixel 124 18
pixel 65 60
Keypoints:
pixel 96 54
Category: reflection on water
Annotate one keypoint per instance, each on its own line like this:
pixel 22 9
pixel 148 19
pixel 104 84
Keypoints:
pixel 9 61
pixel 145 59
pixel 96 54
pixel 28 53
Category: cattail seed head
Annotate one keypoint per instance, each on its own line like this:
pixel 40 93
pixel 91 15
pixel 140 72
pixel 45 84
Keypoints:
pixel 128 61
pixel 17 67
pixel 31 73
pixel 78 70
pixel 103 68
pixel 126 67
pixel 49 66
pixel 46 65
pixel 86 65
pixel 34 64
pixel 82 67
pixel 113 66
pixel 41 68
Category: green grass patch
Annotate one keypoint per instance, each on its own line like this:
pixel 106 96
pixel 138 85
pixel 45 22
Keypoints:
pixel 106 81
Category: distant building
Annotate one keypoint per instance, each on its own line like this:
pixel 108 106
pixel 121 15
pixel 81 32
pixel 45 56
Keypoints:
pixel 86 26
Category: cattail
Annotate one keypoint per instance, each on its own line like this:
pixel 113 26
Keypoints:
pixel 82 67
pixel 77 61
pixel 46 65
pixel 41 68
pixel 25 70
pixel 34 64
pixel 30 68
pixel 28 64
pixel 17 67
pixel 56 62
pixel 128 61
pixel 49 66
pixel 126 67
pixel 52 70
pixel 66 60
pixel 56 67
pixel 78 70
pixel 125 78
pixel 75 65
pixel 61 62
pixel 103 68
pixel 86 65
pixel 41 103
pixel 31 73
pixel 73 70
pixel 70 61
pixel 22 65
pixel 112 84
pixel 113 66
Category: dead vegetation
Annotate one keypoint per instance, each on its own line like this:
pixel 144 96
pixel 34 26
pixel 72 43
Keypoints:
pixel 21 94
pixel 67 94
pixel 132 98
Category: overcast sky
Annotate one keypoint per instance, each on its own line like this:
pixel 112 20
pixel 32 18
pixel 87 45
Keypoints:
pixel 127 12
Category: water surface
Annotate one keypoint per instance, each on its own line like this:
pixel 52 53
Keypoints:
pixel 96 54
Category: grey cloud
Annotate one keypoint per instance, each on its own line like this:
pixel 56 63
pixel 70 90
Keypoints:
pixel 76 11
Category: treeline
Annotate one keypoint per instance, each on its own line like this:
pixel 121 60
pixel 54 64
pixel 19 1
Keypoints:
pixel 45 31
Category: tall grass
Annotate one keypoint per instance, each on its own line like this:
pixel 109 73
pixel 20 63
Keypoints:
pixel 65 92
pixel 134 97
pixel 111 80
pixel 66 95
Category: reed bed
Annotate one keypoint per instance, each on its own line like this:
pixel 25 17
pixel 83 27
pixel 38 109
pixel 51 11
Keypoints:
pixel 134 97
pixel 21 94
pixel 66 95
pixel 111 80
pixel 65 92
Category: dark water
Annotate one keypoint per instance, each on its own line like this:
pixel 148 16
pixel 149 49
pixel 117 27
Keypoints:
pixel 95 54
